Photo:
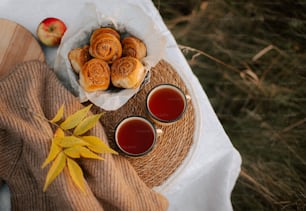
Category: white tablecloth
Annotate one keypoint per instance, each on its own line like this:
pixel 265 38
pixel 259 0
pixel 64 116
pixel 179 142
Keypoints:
pixel 206 178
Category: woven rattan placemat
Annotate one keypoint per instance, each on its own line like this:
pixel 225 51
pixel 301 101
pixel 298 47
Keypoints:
pixel 172 146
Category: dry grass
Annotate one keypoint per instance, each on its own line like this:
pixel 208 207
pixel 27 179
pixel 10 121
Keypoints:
pixel 250 57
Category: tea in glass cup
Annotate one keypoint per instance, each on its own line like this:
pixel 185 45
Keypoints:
pixel 166 103
pixel 135 136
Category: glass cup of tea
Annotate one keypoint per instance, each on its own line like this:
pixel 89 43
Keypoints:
pixel 166 103
pixel 136 135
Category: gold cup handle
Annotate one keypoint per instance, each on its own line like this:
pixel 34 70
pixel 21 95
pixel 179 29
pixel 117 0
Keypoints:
pixel 188 97
pixel 159 132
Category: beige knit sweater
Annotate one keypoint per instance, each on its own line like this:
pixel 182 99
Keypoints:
pixel 25 141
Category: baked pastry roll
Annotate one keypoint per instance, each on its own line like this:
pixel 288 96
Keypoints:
pixel 95 75
pixel 78 57
pixel 105 46
pixel 127 72
pixel 104 30
pixel 132 46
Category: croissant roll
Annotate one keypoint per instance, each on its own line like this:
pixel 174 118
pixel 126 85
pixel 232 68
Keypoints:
pixel 78 57
pixel 95 75
pixel 106 47
pixel 104 30
pixel 127 72
pixel 132 46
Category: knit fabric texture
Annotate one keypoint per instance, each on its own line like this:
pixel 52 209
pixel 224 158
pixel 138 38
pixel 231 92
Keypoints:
pixel 25 141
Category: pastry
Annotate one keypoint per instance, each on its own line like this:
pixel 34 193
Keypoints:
pixel 127 72
pixel 78 57
pixel 104 30
pixel 105 46
pixel 132 46
pixel 95 75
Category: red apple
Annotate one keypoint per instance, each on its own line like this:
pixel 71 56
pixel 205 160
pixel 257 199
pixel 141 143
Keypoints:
pixel 50 31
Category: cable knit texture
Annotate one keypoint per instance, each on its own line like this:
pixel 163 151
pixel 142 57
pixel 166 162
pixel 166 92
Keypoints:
pixel 25 141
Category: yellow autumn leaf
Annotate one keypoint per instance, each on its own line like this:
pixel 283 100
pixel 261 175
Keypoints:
pixel 58 115
pixel 56 168
pixel 70 141
pixel 73 152
pixel 97 145
pixel 74 119
pixel 59 133
pixel 86 124
pixel 76 174
pixel 55 149
pixel 86 153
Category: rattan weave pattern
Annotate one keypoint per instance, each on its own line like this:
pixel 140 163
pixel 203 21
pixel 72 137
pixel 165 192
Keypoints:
pixel 172 146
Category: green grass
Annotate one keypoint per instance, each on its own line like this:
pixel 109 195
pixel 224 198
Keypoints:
pixel 250 57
